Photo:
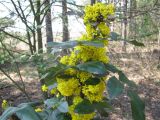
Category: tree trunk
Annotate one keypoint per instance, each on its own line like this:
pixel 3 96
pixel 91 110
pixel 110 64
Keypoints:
pixel 132 24
pixel 159 36
pixel 40 42
pixel 39 32
pixel 48 22
pixel 93 2
pixel 65 21
pixel 124 30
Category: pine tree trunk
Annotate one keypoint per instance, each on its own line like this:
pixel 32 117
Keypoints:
pixel 39 32
pixel 124 30
pixel 40 42
pixel 93 2
pixel 159 36
pixel 48 22
pixel 132 24
pixel 65 21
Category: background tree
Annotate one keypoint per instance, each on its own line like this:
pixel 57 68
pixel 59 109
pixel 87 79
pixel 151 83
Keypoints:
pixel 65 21
pixel 93 2
pixel 48 21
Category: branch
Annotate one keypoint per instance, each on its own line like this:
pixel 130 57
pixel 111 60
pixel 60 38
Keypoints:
pixel 16 37
pixel 15 83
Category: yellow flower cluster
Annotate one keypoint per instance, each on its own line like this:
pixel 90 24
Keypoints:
pixel 94 92
pixel 44 88
pixel 76 84
pixel 67 87
pixel 88 53
pixel 83 76
pixel 98 11
pixel 69 60
pixel 4 104
pixel 76 116
pixel 103 29
pixel 95 18
pixel 38 110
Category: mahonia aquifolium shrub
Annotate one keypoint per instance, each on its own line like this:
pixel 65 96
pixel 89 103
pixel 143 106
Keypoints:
pixel 75 87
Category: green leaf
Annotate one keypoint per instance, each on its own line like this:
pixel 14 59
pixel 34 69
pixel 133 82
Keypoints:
pixel 114 87
pixel 114 36
pixel 28 113
pixel 137 106
pixel 71 44
pixel 94 67
pixel 112 68
pixel 50 87
pixel 44 114
pixel 84 107
pixel 8 112
pixel 96 43
pixel 124 79
pixel 51 102
pixel 136 43
pixel 63 107
pixel 103 108
pixel 57 103
pixel 23 112
pixel 62 45
pixel 54 115
pixel 102 105
pixel 51 73
pixel 64 116
pixel 92 81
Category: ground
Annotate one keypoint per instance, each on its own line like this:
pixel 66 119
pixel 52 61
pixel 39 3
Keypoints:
pixel 139 64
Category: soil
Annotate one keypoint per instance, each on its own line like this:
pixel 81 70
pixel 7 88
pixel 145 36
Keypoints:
pixel 139 64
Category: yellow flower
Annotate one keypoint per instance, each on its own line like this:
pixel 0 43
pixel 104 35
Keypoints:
pixel 93 13
pixel 83 76
pixel 104 29
pixel 44 88
pixel 4 104
pixel 64 60
pixel 38 110
pixel 70 71
pixel 53 91
pixel 87 53
pixel 67 87
pixel 94 92
pixel 76 116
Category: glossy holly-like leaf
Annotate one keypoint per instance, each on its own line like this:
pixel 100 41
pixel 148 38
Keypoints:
pixel 124 79
pixel 136 43
pixel 57 103
pixel 122 76
pixel 53 102
pixel 23 112
pixel 102 105
pixel 63 107
pixel 114 36
pixel 96 43
pixel 114 87
pixel 62 45
pixel 51 73
pixel 50 87
pixel 84 107
pixel 111 68
pixel 103 108
pixel 137 106
pixel 94 67
pixel 71 44
pixel 53 115
pixel 92 81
